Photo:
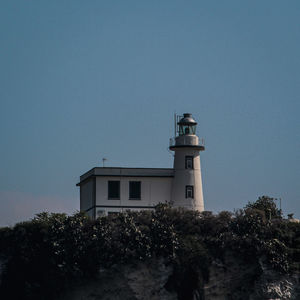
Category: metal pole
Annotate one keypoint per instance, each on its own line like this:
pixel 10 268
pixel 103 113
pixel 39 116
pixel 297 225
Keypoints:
pixel 276 199
pixel 103 160
pixel 280 203
pixel 175 124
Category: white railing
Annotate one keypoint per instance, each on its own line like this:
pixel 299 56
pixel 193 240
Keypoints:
pixel 187 141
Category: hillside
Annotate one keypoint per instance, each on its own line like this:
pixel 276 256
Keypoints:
pixel 163 254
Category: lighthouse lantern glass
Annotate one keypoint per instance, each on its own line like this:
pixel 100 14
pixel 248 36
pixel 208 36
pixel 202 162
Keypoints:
pixel 187 129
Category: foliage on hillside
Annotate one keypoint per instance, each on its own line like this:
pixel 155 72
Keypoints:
pixel 43 256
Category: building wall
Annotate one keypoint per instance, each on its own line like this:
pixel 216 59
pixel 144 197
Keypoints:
pixel 87 195
pixel 154 190
pixel 103 211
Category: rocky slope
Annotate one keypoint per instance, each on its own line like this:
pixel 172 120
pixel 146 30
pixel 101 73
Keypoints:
pixel 230 279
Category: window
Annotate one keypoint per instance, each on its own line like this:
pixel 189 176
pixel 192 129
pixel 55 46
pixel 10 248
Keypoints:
pixel 100 213
pixel 134 190
pixel 112 213
pixel 113 190
pixel 189 191
pixel 189 162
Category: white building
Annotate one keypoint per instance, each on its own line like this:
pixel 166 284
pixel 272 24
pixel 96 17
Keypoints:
pixel 108 190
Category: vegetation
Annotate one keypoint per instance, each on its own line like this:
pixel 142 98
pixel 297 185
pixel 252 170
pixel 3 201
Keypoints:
pixel 267 206
pixel 43 256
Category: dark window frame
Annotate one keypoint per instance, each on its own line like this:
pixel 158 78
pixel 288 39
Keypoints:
pixel 135 194
pixel 189 189
pixel 110 192
pixel 189 159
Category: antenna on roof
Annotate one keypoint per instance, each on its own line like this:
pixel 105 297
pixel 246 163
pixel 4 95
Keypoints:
pixel 175 124
pixel 103 160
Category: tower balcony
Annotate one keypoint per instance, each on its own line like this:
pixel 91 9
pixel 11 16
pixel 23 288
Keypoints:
pixel 187 141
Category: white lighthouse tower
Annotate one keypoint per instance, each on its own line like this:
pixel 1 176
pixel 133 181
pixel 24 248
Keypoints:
pixel 187 183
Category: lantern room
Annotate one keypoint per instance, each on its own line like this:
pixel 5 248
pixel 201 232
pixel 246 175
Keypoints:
pixel 187 125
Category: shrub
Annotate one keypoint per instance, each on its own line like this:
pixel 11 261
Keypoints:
pixel 55 251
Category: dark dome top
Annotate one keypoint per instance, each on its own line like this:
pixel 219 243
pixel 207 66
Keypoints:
pixel 187 120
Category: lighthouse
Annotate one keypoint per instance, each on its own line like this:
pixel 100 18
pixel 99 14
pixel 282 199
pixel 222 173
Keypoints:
pixel 109 190
pixel 186 188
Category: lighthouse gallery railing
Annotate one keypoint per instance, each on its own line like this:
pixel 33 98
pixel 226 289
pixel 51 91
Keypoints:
pixel 186 141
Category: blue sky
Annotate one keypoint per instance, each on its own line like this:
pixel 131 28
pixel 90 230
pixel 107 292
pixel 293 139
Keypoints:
pixel 83 80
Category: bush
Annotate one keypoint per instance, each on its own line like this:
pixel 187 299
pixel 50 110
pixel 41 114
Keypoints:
pixel 55 251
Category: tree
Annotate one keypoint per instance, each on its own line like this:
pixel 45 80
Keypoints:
pixel 267 205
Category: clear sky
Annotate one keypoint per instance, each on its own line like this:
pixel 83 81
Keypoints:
pixel 83 80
